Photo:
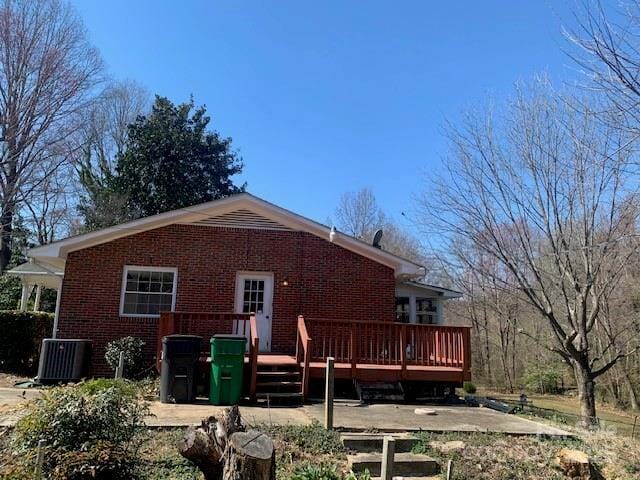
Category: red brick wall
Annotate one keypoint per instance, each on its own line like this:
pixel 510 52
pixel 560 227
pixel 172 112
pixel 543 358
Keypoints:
pixel 325 281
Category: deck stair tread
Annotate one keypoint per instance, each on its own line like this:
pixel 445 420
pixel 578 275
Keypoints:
pixel 405 464
pixel 278 384
pixel 280 395
pixel 275 373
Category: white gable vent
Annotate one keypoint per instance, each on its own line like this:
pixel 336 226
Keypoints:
pixel 241 219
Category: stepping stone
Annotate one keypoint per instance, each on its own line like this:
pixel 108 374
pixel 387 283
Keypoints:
pixel 405 464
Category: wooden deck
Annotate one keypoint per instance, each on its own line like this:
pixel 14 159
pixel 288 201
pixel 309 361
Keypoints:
pixel 365 351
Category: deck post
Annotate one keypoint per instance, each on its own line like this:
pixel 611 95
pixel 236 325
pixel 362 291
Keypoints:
pixel 388 454
pixel 403 351
pixel 354 351
pixel 328 394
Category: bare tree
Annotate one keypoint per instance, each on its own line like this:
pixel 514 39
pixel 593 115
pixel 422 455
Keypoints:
pixel 541 191
pixel 47 71
pixel 359 215
pixel 101 140
pixel 49 208
pixel 608 52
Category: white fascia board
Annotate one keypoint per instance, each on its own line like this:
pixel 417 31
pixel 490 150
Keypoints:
pixel 56 252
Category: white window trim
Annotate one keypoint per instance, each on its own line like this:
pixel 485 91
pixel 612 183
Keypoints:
pixel 413 313
pixel 139 268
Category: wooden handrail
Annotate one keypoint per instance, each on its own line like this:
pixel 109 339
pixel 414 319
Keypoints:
pixel 388 343
pixel 381 323
pixel 204 324
pixel 304 342
pixel 254 347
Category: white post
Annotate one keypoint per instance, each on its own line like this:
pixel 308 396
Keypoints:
pixel 328 395
pixel 388 454
pixel 36 305
pixel 54 334
pixel 24 298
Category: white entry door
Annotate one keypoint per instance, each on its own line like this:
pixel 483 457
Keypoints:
pixel 254 293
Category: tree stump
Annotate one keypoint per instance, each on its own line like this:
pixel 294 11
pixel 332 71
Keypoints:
pixel 577 465
pixel 222 449
pixel 251 456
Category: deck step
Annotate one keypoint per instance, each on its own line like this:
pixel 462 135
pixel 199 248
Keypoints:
pixel 279 395
pixel 278 384
pixel 405 464
pixel 275 373
pixel 369 443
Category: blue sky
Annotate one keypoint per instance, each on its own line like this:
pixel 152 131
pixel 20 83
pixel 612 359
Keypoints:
pixel 329 96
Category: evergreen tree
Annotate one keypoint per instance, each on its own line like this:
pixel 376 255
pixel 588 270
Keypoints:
pixel 172 161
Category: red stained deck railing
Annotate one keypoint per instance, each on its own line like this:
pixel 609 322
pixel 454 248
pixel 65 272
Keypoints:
pixel 207 324
pixel 384 343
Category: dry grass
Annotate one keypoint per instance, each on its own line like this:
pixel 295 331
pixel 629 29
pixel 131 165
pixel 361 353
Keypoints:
pixel 500 457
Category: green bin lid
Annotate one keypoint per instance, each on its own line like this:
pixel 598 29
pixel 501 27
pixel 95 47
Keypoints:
pixel 223 336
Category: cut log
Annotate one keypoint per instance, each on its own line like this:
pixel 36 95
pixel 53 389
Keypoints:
pixel 250 456
pixel 200 448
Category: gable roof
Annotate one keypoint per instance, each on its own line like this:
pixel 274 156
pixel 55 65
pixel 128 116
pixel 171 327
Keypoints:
pixel 239 211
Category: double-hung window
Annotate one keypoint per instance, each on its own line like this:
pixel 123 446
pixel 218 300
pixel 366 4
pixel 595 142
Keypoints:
pixel 147 291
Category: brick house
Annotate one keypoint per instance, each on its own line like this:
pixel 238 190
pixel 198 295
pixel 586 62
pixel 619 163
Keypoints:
pixel 297 289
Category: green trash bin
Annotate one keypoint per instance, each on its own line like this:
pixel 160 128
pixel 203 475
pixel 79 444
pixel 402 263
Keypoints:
pixel 227 365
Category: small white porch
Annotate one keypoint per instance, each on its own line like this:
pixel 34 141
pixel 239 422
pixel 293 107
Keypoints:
pixel 37 275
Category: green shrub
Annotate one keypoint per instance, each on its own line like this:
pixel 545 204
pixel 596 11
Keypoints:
pixel 133 357
pixel 469 387
pixel 10 292
pixel 543 379
pixel 21 338
pixel 93 429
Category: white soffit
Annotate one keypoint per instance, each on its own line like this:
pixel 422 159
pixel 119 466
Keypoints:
pixel 242 218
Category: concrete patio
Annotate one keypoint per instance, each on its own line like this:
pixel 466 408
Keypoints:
pixel 348 415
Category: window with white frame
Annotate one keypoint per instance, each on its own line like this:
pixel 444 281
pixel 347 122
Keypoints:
pixel 147 291
pixel 425 311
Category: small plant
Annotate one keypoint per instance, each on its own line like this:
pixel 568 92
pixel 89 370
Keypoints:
pixel 92 430
pixel 133 356
pixel 469 388
pixel 316 472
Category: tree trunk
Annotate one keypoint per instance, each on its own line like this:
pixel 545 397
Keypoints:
pixel 222 449
pixel 586 395
pixel 6 232
pixel 251 456
pixel 633 397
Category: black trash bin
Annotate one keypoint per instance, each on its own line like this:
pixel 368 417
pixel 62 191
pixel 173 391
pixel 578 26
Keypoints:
pixel 177 374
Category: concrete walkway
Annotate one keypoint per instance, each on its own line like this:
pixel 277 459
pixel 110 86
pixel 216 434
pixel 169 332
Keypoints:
pixel 403 418
pixel 347 416
pixel 170 415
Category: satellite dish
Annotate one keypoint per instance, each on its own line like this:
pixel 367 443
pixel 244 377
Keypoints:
pixel 377 238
